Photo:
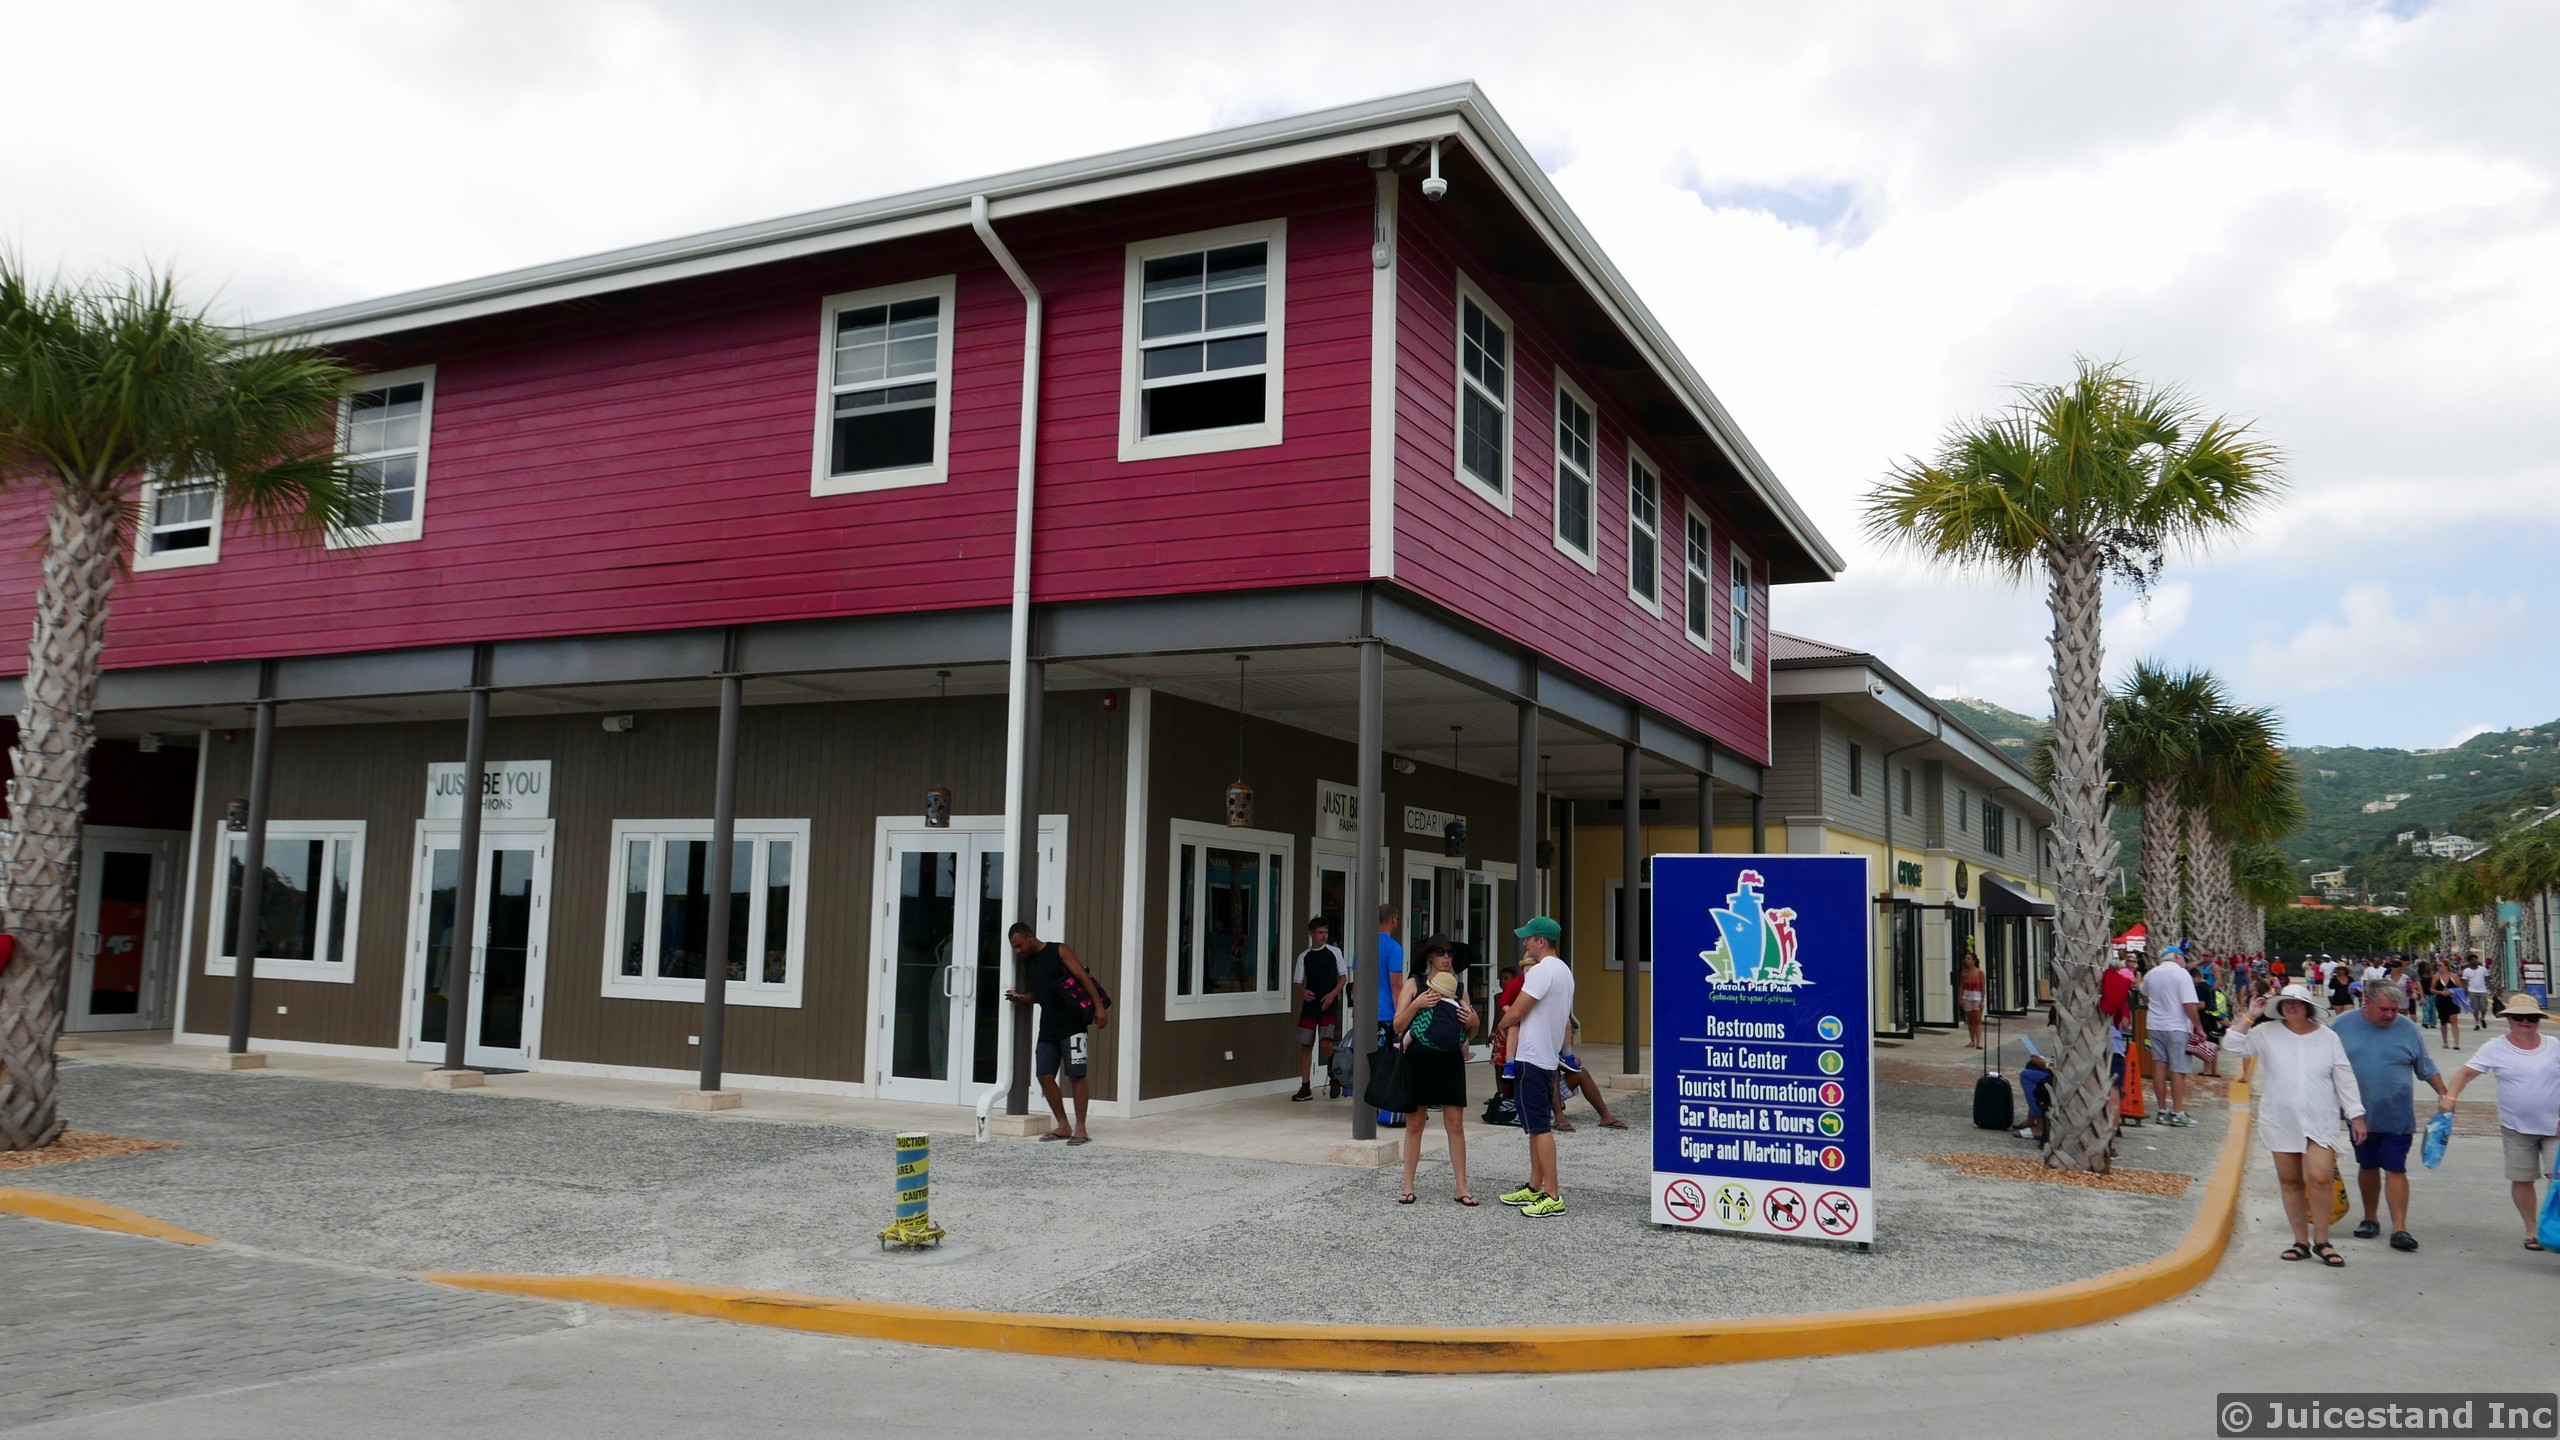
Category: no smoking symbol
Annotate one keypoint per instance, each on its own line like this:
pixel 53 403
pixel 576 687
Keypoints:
pixel 1835 1212
pixel 1684 1200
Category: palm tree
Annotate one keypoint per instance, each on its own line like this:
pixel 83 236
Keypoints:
pixel 2244 789
pixel 2524 867
pixel 2093 478
pixel 2152 720
pixel 102 390
pixel 2431 897
pixel 2263 876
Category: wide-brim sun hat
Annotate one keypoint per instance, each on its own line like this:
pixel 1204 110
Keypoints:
pixel 2297 992
pixel 2521 1003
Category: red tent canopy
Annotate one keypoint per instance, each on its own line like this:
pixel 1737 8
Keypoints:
pixel 2130 940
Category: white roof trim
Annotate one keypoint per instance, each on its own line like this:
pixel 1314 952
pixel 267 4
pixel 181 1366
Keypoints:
pixel 1455 111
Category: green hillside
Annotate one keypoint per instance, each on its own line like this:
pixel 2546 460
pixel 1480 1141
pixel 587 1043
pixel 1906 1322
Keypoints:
pixel 2476 789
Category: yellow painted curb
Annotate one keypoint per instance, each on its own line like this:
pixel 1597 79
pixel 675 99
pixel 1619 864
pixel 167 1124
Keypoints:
pixel 1449 1350
pixel 72 1210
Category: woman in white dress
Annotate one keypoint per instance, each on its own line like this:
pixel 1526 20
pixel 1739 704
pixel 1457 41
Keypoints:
pixel 2302 1085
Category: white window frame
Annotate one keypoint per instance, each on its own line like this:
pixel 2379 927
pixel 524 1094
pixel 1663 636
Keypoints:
pixel 935 471
pixel 1617 889
pixel 415 526
pixel 1275 845
pixel 347 835
pixel 750 991
pixel 147 505
pixel 1639 463
pixel 1500 499
pixel 1275 316
pixel 1567 390
pixel 1738 618
pixel 1700 628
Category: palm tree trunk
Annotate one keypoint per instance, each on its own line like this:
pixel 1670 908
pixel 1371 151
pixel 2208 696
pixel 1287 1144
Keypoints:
pixel 2199 878
pixel 2160 863
pixel 2082 1121
pixel 48 795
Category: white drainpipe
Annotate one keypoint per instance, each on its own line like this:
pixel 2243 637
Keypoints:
pixel 1018 697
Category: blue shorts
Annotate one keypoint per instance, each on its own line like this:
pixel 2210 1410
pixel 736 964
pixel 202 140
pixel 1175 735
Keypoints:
pixel 2036 1092
pixel 2383 1150
pixel 1068 1054
pixel 1536 1089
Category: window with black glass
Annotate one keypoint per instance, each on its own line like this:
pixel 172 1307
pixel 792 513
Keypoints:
pixel 1699 589
pixel 886 385
pixel 306 904
pixel 1484 396
pixel 386 437
pixel 1857 770
pixel 1644 533
pixel 1995 829
pixel 1577 460
pixel 1204 339
pixel 660 926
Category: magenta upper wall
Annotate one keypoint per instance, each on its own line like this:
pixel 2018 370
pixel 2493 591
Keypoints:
pixel 643 461
pixel 1505 571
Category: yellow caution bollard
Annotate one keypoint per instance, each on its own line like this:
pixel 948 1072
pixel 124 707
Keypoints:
pixel 913 1226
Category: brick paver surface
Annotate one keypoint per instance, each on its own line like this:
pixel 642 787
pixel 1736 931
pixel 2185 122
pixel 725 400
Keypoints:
pixel 92 1321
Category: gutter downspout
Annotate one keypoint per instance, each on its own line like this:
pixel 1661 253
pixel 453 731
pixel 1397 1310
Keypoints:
pixel 1018 697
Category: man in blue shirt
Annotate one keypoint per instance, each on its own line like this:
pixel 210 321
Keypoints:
pixel 1390 986
pixel 2386 1051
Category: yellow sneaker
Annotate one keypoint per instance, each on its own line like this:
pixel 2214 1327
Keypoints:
pixel 1544 1206
pixel 1525 1195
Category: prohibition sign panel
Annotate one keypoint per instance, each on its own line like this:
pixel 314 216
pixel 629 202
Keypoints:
pixel 1685 1199
pixel 1836 1213
pixel 1783 1208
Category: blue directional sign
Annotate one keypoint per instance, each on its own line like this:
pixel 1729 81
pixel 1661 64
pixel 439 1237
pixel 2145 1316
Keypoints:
pixel 1764 1080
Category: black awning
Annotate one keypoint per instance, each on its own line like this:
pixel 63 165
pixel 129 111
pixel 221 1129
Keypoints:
pixel 1999 897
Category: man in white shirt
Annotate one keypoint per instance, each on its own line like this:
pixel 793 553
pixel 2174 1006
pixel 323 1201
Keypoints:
pixel 2475 993
pixel 2169 996
pixel 1542 1015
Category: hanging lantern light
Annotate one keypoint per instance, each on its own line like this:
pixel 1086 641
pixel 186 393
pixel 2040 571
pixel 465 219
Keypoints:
pixel 1453 836
pixel 937 798
pixel 1239 794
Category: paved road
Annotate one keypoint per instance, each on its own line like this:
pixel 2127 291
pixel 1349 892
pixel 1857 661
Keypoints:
pixel 343 1353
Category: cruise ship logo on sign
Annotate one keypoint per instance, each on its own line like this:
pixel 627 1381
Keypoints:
pixel 1757 951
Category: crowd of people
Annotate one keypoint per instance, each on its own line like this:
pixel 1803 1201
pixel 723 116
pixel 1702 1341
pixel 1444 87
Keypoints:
pixel 2340 1047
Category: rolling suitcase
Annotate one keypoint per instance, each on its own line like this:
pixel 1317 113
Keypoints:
pixel 1995 1105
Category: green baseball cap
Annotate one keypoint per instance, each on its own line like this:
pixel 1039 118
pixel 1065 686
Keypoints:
pixel 1541 928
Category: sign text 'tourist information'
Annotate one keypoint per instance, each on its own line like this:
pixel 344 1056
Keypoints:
pixel 1764 1091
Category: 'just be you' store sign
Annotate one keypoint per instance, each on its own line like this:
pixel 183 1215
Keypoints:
pixel 509 789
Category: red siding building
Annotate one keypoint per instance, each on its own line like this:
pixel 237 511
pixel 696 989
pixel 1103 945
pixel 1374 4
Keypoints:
pixel 1356 469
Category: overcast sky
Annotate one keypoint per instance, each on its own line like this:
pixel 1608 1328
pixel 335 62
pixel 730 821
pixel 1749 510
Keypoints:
pixel 1860 221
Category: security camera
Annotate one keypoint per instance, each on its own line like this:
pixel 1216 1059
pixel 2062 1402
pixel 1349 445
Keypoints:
pixel 1433 187
pixel 617 724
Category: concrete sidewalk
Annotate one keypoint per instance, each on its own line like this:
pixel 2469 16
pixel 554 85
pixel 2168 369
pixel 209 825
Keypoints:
pixel 400 1178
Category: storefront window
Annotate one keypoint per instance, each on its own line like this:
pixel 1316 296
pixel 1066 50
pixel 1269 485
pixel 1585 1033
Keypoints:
pixel 663 910
pixel 1229 920
pixel 307 903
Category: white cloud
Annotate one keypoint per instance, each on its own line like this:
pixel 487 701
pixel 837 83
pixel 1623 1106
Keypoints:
pixel 2468 732
pixel 2371 640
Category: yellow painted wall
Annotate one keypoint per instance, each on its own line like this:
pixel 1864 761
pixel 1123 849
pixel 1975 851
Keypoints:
pixel 1599 996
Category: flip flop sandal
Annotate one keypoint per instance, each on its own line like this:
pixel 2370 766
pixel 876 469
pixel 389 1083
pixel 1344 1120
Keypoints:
pixel 1054 1135
pixel 2329 1255
pixel 1405 1199
pixel 1564 1127
pixel 1081 1140
pixel 1613 1123
pixel 2532 1244
pixel 2296 1251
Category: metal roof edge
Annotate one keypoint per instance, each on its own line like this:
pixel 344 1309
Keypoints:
pixel 1963 738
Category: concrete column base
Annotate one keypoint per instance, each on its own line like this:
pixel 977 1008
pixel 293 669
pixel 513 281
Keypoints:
pixel 1020 1127
pixel 1383 1151
pixel 1627 1082
pixel 456 1079
pixel 66 1044
pixel 225 1060
pixel 710 1100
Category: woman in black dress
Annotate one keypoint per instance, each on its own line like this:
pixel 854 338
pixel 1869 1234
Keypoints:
pixel 1435 1020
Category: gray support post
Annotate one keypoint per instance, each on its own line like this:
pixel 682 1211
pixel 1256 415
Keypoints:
pixel 253 876
pixel 1759 829
pixel 1017 1098
pixel 1707 811
pixel 1369 853
pixel 1526 898
pixel 1563 913
pixel 717 882
pixel 1631 912
pixel 462 954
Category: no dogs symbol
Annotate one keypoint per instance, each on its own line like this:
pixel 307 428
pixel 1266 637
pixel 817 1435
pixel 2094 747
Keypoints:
pixel 1684 1200
pixel 1733 1205
pixel 1783 1208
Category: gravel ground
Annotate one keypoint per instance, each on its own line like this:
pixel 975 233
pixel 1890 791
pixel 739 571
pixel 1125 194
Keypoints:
pixel 420 1180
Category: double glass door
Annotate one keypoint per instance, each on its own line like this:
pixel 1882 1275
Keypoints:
pixel 941 967
pixel 1472 907
pixel 492 985
pixel 120 954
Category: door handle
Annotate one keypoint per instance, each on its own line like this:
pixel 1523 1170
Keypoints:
pixel 948 971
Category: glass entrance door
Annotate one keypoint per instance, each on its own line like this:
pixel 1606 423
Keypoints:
pixel 120 951
pixel 1472 907
pixel 939 1001
pixel 493 985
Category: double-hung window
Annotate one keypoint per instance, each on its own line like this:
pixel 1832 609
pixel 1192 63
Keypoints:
pixel 1484 396
pixel 1229 924
pixel 1698 599
pixel 307 907
pixel 181 525
pixel 660 912
pixel 1201 349
pixel 884 394
pixel 1644 532
pixel 1995 829
pixel 383 426
pixel 1741 603
pixel 1577 469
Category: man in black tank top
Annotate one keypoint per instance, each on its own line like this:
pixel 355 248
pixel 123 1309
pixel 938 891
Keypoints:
pixel 1070 1000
